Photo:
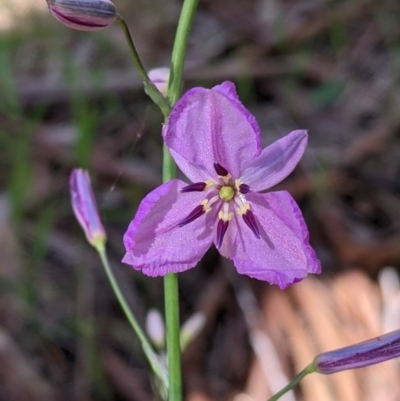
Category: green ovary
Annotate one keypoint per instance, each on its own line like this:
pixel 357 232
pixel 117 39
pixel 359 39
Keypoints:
pixel 226 193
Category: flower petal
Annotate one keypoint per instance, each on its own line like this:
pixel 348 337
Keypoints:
pixel 283 255
pixel 276 161
pixel 155 244
pixel 210 126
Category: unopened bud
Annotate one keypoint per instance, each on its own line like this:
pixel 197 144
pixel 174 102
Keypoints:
pixel 160 78
pixel 155 328
pixel 85 208
pixel 84 15
pixel 191 328
pixel 367 353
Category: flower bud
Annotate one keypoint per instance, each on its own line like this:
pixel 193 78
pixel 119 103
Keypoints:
pixel 84 15
pixel 155 328
pixel 191 328
pixel 85 208
pixel 367 353
pixel 160 78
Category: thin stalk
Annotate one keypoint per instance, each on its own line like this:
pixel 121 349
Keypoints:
pixel 142 71
pixel 150 88
pixel 171 289
pixel 308 369
pixel 152 357
pixel 173 341
pixel 179 51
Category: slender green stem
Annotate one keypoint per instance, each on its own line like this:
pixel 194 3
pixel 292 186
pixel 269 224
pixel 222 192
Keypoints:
pixel 171 290
pixel 308 369
pixel 169 166
pixel 142 71
pixel 173 342
pixel 179 50
pixel 150 88
pixel 155 362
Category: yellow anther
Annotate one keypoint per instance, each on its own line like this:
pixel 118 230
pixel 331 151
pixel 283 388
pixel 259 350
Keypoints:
pixel 225 216
pixel 244 207
pixel 238 183
pixel 206 206
pixel 225 178
pixel 209 184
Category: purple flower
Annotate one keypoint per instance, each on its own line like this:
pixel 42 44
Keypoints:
pixel 216 143
pixel 85 208
pixel 367 353
pixel 84 15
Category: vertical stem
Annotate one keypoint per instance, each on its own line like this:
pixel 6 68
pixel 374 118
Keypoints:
pixel 171 291
pixel 179 50
pixel 173 344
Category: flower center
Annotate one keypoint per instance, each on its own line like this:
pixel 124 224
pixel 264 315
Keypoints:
pixel 227 196
pixel 226 193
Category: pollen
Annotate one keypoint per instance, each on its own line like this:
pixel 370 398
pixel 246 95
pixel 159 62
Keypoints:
pixel 226 193
pixel 225 216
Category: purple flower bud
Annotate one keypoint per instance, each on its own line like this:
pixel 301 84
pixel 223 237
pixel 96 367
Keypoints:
pixel 191 328
pixel 160 78
pixel 367 353
pixel 155 328
pixel 84 15
pixel 85 208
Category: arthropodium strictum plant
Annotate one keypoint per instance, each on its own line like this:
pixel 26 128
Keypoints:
pixel 216 143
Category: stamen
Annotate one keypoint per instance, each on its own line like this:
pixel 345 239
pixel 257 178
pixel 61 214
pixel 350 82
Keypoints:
pixel 240 201
pixel 221 230
pixel 207 203
pixel 195 187
pixel 250 221
pixel 244 189
pixel 193 215
pixel 224 214
pixel 221 171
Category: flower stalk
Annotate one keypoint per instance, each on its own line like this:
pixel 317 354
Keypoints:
pixel 179 51
pixel 153 358
pixel 307 370
pixel 149 87
pixel 86 212
pixel 171 289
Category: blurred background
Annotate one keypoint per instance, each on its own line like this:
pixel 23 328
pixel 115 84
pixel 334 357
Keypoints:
pixel 70 99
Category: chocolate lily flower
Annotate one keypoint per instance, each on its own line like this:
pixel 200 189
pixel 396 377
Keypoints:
pixel 216 143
